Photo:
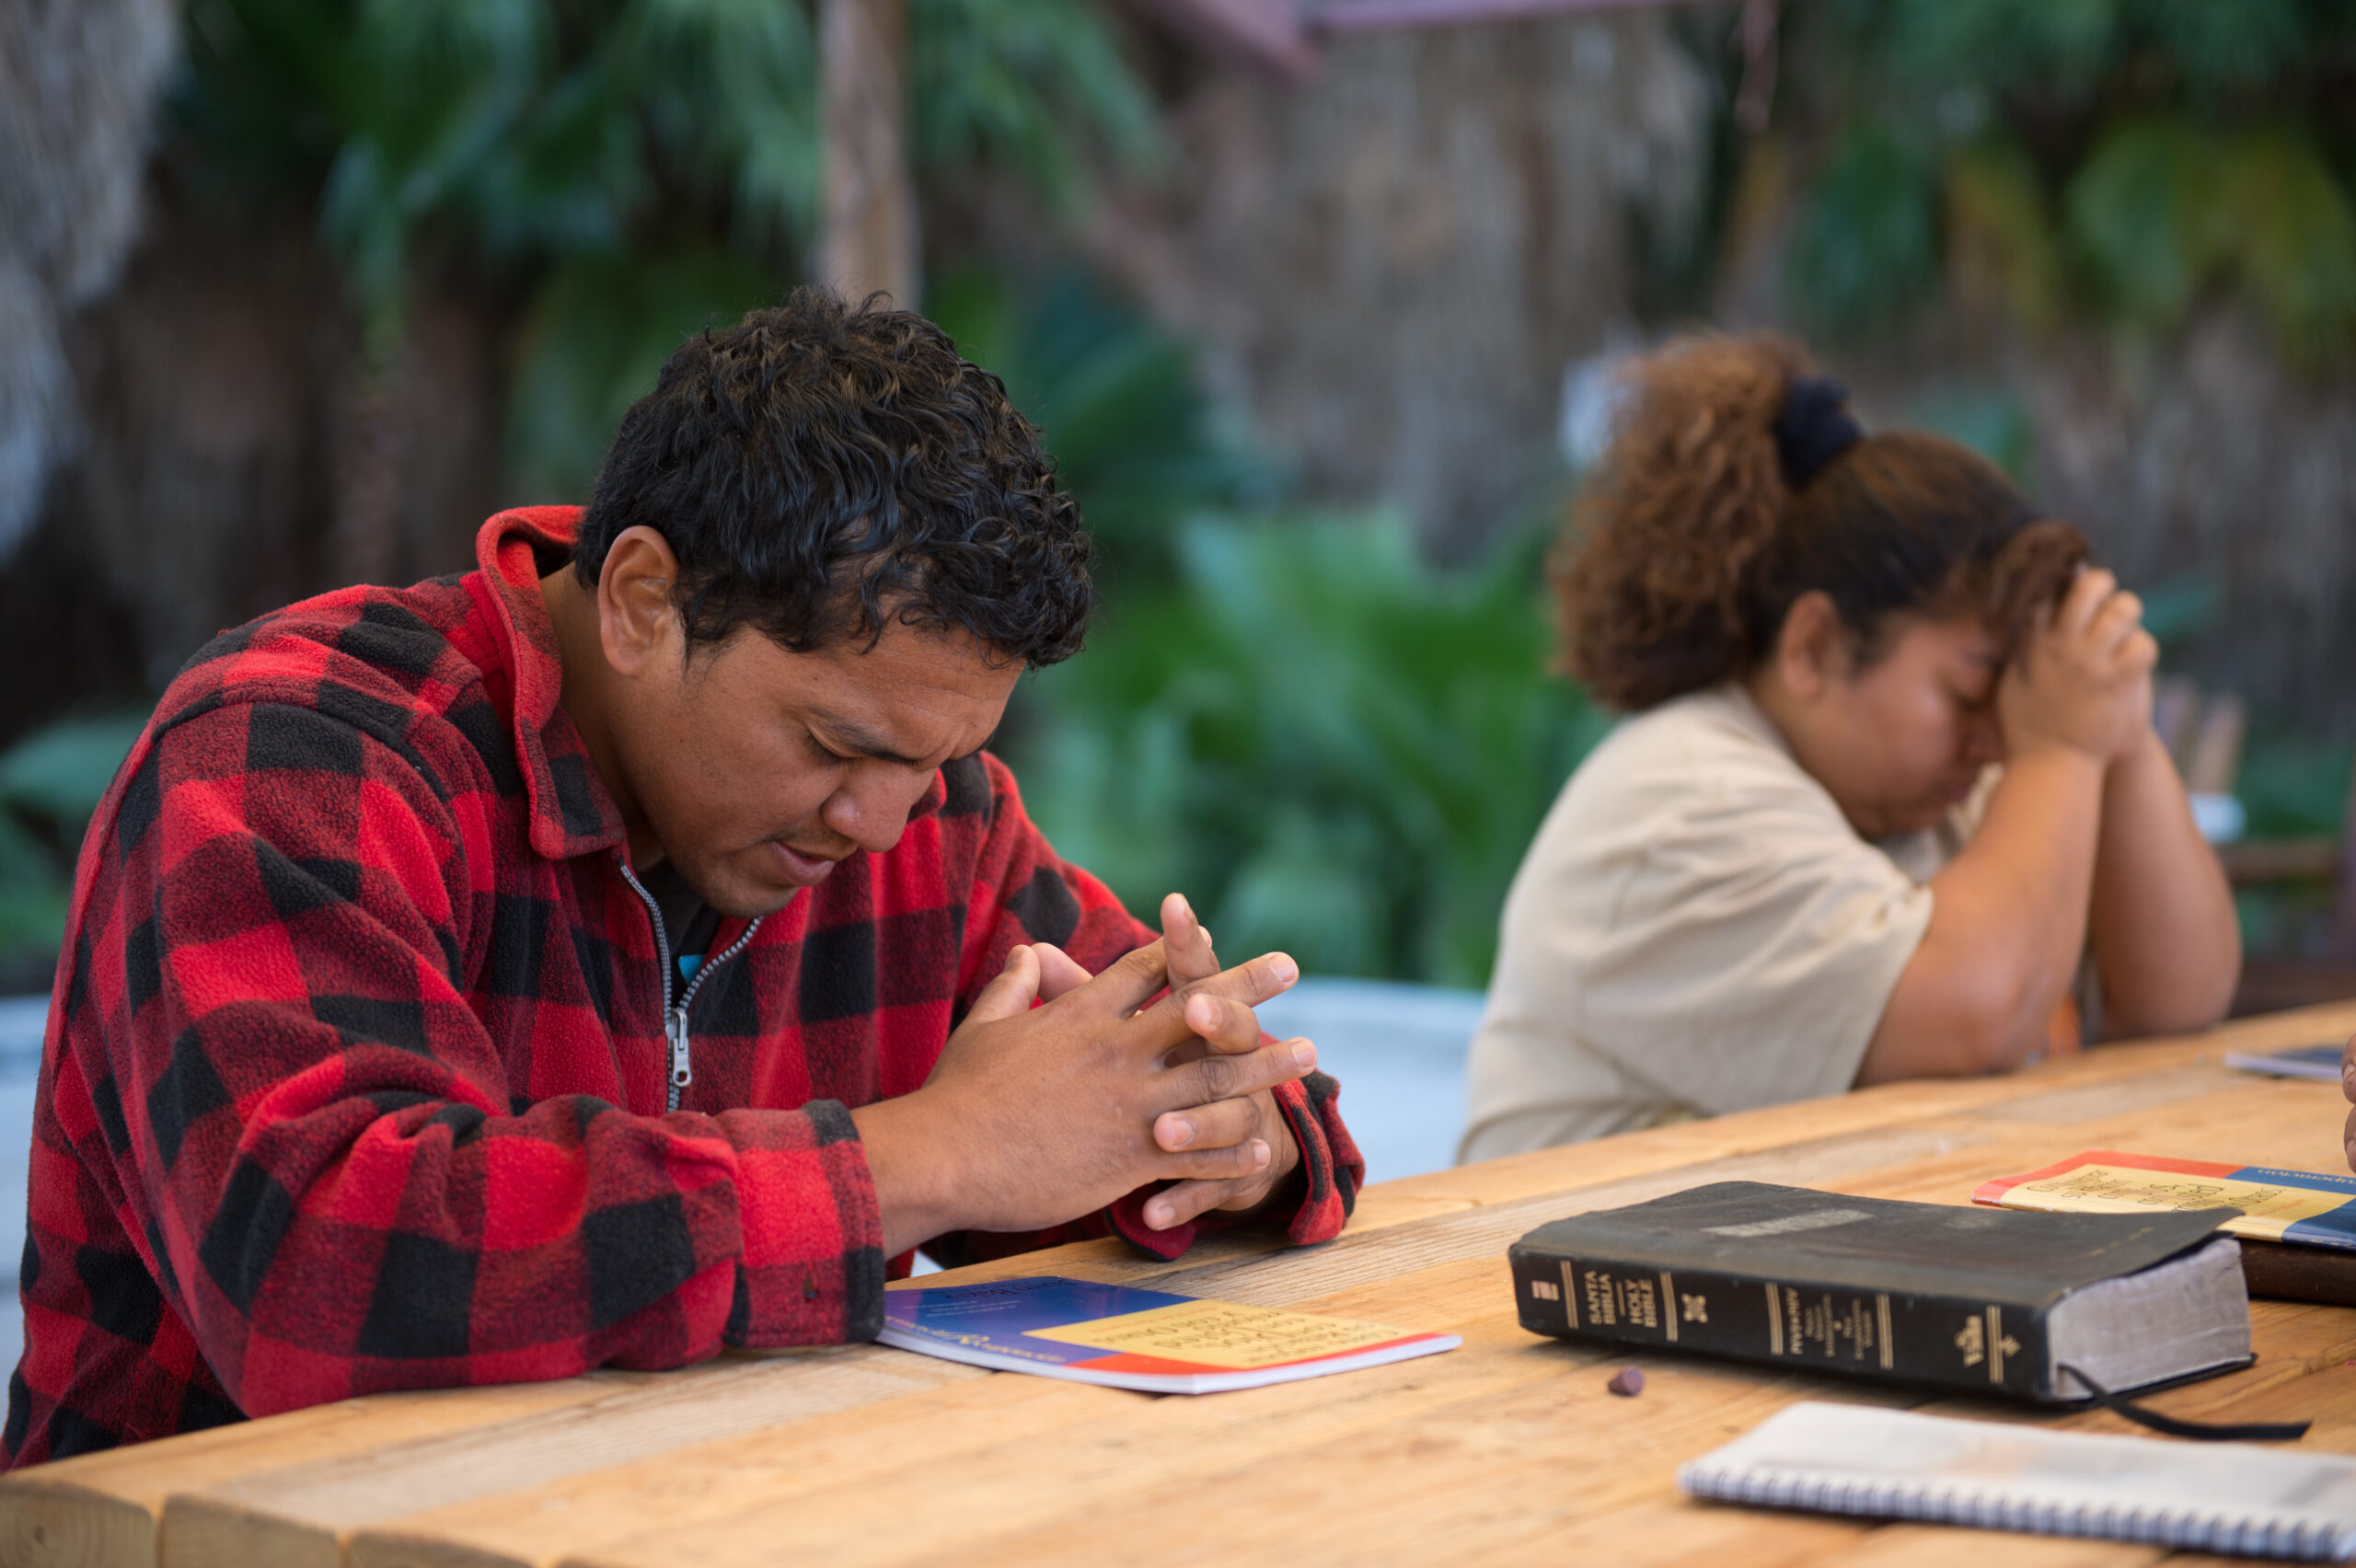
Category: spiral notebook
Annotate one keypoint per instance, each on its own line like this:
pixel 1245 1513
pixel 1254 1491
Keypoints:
pixel 1894 1464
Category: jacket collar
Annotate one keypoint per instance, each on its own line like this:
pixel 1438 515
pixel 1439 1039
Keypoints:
pixel 572 813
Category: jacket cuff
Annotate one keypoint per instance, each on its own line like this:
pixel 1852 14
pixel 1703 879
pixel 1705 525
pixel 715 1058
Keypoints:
pixel 1331 1167
pixel 1328 1154
pixel 811 1270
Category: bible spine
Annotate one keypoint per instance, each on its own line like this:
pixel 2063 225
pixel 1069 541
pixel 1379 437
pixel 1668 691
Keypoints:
pixel 1968 1346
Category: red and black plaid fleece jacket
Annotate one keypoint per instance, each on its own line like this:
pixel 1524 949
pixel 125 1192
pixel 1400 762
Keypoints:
pixel 355 1073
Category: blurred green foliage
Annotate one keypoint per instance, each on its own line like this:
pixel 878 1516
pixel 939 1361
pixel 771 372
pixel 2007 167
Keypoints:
pixel 1866 247
pixel 1035 86
pixel 634 168
pixel 1329 746
pixel 596 332
pixel 1988 420
pixel 50 783
pixel 2118 159
pixel 1134 440
pixel 2293 786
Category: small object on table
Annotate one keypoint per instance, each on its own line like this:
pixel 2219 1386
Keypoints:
pixel 1628 1382
pixel 2321 1062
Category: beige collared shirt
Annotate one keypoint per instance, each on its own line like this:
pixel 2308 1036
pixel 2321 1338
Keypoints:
pixel 1696 930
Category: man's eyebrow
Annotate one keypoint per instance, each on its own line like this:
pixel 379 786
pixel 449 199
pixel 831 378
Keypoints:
pixel 854 736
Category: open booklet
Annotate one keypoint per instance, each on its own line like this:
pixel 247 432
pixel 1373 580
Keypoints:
pixel 2296 1206
pixel 2297 1228
pixel 1128 1338
pixel 2321 1062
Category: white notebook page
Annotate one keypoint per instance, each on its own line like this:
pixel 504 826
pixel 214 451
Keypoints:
pixel 2233 1498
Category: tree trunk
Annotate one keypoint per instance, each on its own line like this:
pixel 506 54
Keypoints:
pixel 870 241
pixel 370 447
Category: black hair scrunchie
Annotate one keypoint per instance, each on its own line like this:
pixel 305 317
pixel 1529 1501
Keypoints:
pixel 1814 427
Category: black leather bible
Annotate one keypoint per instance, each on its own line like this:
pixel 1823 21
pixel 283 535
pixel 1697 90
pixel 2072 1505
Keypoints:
pixel 1990 1302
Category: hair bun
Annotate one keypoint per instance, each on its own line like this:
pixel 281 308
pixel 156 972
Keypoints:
pixel 1813 427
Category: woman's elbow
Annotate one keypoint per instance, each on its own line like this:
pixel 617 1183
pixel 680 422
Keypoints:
pixel 2190 999
pixel 1969 1029
pixel 1996 1038
pixel 1999 1021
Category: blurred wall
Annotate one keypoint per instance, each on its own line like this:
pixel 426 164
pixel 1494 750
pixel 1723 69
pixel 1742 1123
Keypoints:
pixel 213 387
pixel 2208 459
pixel 1391 264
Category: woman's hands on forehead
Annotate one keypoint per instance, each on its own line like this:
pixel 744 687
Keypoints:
pixel 2082 677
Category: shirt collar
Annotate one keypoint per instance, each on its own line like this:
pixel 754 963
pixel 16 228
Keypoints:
pixel 572 812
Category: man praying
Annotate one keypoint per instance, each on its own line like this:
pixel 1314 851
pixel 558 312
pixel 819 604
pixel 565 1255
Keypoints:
pixel 626 949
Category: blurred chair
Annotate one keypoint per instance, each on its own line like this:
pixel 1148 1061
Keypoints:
pixel 1399 1051
pixel 2268 982
pixel 2205 737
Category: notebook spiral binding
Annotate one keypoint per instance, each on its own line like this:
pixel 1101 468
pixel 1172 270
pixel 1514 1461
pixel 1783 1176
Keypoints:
pixel 2237 1535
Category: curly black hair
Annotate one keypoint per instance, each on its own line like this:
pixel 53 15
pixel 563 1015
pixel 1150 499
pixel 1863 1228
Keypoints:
pixel 1688 543
pixel 820 467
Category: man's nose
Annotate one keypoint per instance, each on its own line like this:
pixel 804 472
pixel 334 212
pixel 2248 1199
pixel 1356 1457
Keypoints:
pixel 872 811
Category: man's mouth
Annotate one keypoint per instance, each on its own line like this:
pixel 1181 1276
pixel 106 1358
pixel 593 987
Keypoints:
pixel 800 866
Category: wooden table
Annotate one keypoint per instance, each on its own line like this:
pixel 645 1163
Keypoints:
pixel 1508 1450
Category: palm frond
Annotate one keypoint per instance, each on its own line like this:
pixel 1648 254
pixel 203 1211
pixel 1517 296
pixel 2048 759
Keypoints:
pixel 2147 212
pixel 596 332
pixel 1866 250
pixel 2000 243
pixel 2294 241
pixel 1037 85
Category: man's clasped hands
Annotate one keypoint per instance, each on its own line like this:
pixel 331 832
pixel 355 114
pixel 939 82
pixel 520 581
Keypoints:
pixel 1062 1092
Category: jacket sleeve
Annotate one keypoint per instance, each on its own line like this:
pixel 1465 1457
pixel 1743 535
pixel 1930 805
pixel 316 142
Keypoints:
pixel 1023 892
pixel 334 1177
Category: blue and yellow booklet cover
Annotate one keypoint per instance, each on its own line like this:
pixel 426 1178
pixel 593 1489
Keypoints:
pixel 2296 1206
pixel 1127 1338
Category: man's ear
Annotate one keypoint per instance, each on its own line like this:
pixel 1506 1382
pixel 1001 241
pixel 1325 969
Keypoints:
pixel 638 620
pixel 1813 650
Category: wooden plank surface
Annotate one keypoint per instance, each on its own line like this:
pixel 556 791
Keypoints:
pixel 1508 1450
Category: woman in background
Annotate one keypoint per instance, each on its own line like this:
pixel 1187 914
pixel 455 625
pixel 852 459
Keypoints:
pixel 1888 785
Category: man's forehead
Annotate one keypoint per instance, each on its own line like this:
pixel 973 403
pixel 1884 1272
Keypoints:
pixel 906 695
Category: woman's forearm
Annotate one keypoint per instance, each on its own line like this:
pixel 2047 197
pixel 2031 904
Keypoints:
pixel 2008 920
pixel 2166 938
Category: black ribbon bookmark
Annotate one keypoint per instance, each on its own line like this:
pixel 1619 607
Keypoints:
pixel 2199 1430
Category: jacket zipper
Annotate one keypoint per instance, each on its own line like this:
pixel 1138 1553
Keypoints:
pixel 674 1019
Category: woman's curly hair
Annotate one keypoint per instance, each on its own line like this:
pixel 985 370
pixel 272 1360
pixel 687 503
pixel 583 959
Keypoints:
pixel 1687 545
